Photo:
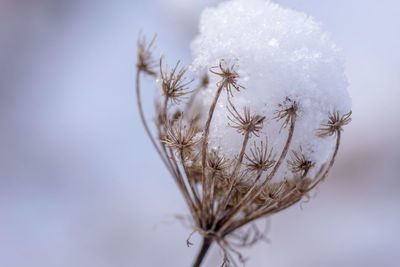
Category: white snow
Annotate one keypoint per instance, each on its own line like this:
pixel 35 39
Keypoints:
pixel 279 53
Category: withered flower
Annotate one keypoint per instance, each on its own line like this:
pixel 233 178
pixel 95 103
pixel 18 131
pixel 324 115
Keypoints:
pixel 335 124
pixel 181 136
pixel 245 123
pixel 299 162
pixel 259 159
pixel 216 162
pixel 174 84
pixel 228 77
pixel 273 191
pixel 286 111
pixel 145 61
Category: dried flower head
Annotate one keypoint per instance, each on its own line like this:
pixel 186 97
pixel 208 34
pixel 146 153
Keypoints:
pixel 274 192
pixel 335 124
pixel 174 84
pixel 299 163
pixel 228 77
pixel 230 178
pixel 181 136
pixel 245 123
pixel 216 162
pixel 259 158
pixel 286 111
pixel 145 61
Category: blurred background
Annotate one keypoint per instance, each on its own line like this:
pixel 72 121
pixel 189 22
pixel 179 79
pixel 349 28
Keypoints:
pixel 80 184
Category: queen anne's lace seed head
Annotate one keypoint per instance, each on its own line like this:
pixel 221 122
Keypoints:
pixel 174 84
pixel 145 60
pixel 218 145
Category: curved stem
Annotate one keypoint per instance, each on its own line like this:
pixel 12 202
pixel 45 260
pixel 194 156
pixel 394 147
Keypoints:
pixel 184 188
pixel 275 209
pixel 146 127
pixel 203 251
pixel 233 181
pixel 190 182
pixel 205 143
pixel 253 196
pixel 212 192
pixel 241 205
pixel 332 161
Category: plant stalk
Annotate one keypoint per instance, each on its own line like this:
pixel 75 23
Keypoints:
pixel 203 251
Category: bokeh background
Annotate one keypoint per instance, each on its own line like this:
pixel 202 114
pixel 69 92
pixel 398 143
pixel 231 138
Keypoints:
pixel 80 184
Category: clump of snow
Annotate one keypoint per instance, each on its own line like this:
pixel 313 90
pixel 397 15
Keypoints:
pixel 279 53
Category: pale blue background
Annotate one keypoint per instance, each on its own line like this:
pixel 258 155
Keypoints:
pixel 80 184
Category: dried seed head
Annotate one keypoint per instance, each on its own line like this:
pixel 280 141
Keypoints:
pixel 145 61
pixel 286 111
pixel 174 85
pixel 335 124
pixel 274 191
pixel 245 123
pixel 299 163
pixel 229 77
pixel 259 158
pixel 181 136
pixel 217 163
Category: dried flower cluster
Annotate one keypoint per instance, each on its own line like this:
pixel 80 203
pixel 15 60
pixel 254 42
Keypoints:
pixel 226 192
pixel 219 195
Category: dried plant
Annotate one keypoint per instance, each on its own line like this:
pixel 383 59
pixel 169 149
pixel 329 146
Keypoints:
pixel 224 195
pixel 228 76
pixel 174 85
pixel 299 163
pixel 145 60
pixel 335 124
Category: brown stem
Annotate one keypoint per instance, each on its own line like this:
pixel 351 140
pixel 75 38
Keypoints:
pixel 212 192
pixel 205 143
pixel 332 161
pixel 253 196
pixel 184 188
pixel 256 216
pixel 146 127
pixel 203 251
pixel 166 160
pixel 164 116
pixel 190 181
pixel 233 181
pixel 241 205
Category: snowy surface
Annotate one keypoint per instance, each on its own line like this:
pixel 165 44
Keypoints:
pixel 280 53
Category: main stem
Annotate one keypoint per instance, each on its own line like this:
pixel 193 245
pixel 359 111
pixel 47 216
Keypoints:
pixel 203 251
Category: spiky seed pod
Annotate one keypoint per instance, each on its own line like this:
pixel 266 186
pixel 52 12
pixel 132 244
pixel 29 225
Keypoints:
pixel 273 191
pixel 174 84
pixel 286 111
pixel 145 61
pixel 181 136
pixel 216 162
pixel 299 163
pixel 259 159
pixel 246 122
pixel 335 124
pixel 228 77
